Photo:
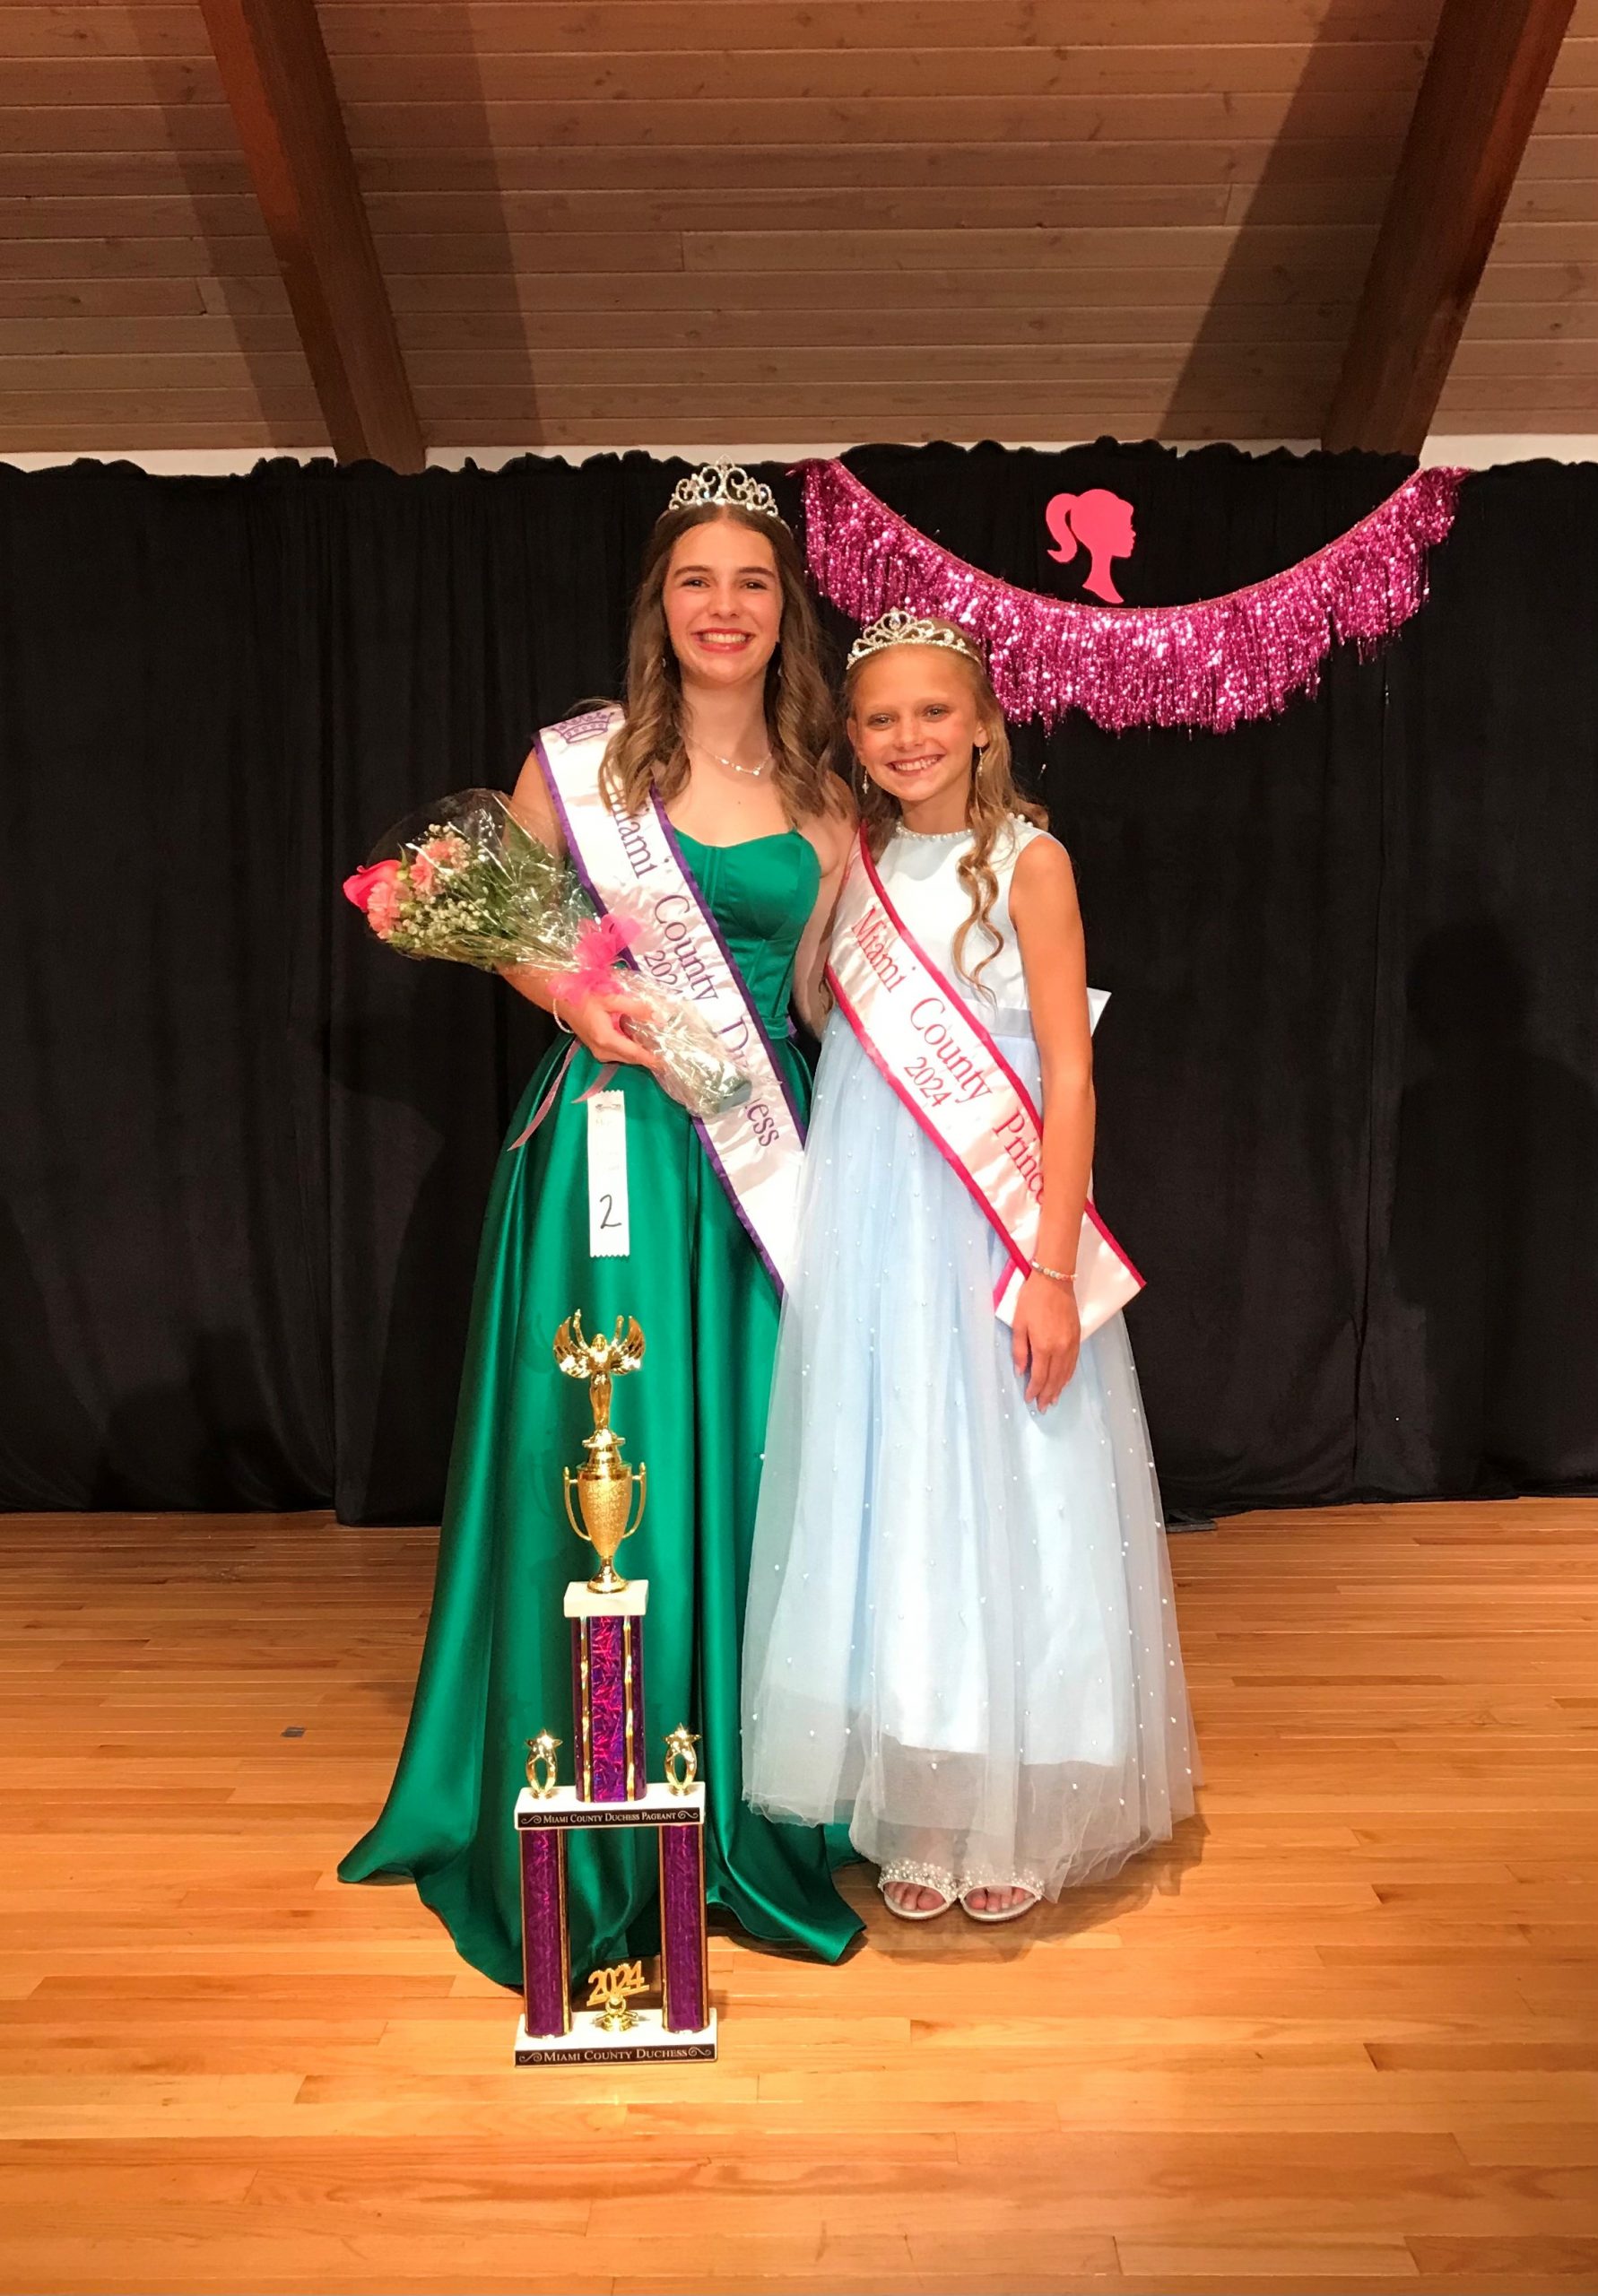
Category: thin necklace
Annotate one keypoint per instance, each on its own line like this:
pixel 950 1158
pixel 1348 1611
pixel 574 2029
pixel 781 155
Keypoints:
pixel 753 773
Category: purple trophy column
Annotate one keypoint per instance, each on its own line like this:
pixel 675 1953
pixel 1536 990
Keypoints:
pixel 546 1974
pixel 608 1667
pixel 684 1973
pixel 637 1782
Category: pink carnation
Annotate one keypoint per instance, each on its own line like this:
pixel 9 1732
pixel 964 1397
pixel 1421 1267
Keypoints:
pixel 385 907
pixel 438 853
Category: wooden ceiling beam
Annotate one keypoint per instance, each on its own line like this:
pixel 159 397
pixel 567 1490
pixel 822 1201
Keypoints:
pixel 279 84
pixel 1489 68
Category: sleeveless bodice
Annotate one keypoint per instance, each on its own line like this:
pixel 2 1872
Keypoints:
pixel 921 876
pixel 760 893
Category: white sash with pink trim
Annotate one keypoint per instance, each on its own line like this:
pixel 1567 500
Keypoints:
pixel 932 1050
pixel 633 868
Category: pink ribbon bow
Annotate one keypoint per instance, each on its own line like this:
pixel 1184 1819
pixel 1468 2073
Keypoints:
pixel 599 944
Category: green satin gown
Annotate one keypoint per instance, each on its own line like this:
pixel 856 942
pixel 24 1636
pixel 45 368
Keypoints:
pixel 496 1669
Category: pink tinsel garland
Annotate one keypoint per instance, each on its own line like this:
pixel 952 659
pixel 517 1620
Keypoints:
pixel 1213 664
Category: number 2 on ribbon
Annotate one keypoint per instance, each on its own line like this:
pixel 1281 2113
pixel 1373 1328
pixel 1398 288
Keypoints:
pixel 609 1230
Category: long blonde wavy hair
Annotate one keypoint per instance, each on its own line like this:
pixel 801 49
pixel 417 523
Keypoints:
pixel 647 751
pixel 991 800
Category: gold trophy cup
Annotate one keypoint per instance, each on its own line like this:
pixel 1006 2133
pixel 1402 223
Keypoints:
pixel 605 1486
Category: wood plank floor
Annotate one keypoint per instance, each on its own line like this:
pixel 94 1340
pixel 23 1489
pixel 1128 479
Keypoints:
pixel 1341 2036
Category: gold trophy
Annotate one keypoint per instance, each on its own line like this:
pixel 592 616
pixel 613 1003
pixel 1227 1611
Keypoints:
pixel 612 1789
pixel 604 1487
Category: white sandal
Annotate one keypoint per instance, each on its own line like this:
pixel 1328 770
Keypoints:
pixel 1008 1912
pixel 921 1877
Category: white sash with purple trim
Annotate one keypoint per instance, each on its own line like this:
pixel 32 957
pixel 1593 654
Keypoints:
pixel 633 867
pixel 932 1050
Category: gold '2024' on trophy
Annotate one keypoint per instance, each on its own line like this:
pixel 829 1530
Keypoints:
pixel 606 1615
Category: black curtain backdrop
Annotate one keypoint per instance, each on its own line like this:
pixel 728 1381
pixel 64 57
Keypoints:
pixel 1348 1078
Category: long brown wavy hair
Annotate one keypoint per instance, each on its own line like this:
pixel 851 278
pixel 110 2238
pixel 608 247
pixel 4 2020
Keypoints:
pixel 647 751
pixel 991 801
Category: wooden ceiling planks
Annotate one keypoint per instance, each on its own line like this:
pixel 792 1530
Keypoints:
pixel 141 304
pixel 1073 175
pixel 911 218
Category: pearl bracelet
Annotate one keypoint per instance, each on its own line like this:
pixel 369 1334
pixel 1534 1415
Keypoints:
pixel 1058 1274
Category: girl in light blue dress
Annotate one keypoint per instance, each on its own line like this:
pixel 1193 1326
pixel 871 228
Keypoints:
pixel 960 1639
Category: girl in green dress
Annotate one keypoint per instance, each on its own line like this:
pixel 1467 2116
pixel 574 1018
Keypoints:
pixel 727 721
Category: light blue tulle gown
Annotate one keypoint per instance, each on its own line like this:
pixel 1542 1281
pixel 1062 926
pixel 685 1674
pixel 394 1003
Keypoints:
pixel 960 1637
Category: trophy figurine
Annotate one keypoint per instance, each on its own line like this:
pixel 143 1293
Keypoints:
pixel 679 1749
pixel 606 1615
pixel 541 1775
pixel 605 1486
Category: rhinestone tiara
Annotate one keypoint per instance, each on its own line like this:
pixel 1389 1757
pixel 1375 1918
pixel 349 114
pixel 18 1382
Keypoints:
pixel 901 629
pixel 716 483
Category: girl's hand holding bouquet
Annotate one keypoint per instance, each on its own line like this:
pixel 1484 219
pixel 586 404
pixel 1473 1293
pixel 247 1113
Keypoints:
pixel 599 1020
pixel 465 881
pixel 596 1003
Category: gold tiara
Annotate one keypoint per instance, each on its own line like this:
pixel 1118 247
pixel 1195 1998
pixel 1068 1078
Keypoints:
pixel 716 483
pixel 901 629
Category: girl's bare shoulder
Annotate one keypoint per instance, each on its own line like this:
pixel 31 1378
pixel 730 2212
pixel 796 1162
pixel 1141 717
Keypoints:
pixel 1043 874
pixel 832 830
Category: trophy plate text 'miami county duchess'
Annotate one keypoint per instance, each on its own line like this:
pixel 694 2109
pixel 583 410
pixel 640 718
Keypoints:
pixel 612 1788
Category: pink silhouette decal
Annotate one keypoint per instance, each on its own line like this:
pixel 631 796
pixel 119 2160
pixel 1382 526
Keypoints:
pixel 1101 522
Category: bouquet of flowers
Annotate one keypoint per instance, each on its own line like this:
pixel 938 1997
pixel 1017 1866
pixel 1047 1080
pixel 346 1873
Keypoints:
pixel 465 880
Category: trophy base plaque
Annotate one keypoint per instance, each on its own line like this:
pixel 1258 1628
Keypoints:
pixel 648 2041
pixel 567 1810
pixel 551 2031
